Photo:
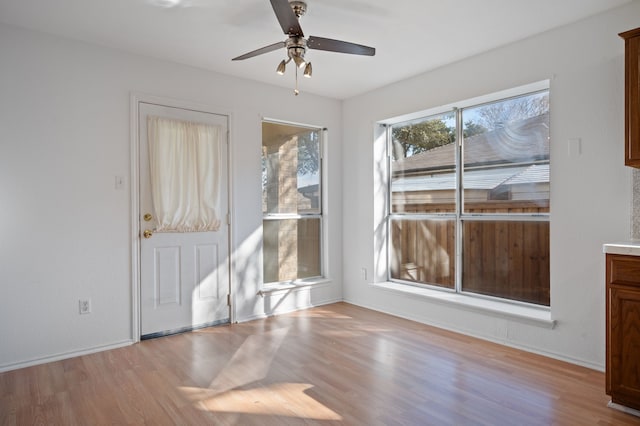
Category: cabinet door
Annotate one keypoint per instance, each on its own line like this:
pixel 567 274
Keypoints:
pixel 632 97
pixel 624 335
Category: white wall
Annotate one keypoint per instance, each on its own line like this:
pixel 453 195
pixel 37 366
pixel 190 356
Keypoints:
pixel 590 193
pixel 65 229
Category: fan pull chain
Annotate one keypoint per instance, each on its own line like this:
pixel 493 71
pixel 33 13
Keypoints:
pixel 296 91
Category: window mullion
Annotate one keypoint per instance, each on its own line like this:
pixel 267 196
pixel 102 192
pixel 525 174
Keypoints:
pixel 459 199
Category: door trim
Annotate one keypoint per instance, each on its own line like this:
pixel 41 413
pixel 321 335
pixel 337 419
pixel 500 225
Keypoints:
pixel 135 99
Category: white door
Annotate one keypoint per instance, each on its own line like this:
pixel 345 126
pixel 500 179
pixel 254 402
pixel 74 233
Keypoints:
pixel 184 276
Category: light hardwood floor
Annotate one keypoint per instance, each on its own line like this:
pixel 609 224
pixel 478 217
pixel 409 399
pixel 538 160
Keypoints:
pixel 337 364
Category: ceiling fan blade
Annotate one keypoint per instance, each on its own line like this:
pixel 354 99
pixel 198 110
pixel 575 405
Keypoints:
pixel 266 49
pixel 321 43
pixel 287 19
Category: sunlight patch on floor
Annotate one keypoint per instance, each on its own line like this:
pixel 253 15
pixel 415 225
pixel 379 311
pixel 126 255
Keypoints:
pixel 355 332
pixel 194 394
pixel 232 392
pixel 318 313
pixel 244 367
pixel 279 399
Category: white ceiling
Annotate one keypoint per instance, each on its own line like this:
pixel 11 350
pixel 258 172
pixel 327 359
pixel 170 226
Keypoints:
pixel 410 36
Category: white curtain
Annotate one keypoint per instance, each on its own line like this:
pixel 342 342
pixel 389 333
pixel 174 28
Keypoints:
pixel 184 159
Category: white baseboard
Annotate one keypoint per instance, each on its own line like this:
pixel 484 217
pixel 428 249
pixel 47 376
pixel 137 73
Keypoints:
pixel 95 349
pixel 300 308
pixel 560 357
pixel 64 355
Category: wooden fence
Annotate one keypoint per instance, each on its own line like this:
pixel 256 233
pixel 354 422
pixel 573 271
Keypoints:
pixel 508 259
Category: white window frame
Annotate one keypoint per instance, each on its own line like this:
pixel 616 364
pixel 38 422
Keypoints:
pixel 459 215
pixel 284 285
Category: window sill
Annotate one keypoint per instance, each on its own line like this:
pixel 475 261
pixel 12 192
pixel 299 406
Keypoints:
pixel 540 317
pixel 289 286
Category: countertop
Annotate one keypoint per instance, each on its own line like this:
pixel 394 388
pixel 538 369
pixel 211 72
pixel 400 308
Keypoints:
pixel 631 248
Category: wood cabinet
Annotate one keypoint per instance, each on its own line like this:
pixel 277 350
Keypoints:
pixel 632 97
pixel 623 330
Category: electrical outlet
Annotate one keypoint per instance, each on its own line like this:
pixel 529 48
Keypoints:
pixel 85 306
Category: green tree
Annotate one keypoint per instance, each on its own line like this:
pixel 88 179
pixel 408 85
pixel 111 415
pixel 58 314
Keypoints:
pixel 411 139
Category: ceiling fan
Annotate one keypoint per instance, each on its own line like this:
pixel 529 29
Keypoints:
pixel 288 13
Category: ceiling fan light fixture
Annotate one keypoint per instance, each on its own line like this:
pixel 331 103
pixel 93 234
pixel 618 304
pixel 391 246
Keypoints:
pixel 299 61
pixel 281 67
pixel 308 70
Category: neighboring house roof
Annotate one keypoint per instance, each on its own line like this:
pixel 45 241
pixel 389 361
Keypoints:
pixel 486 179
pixel 309 190
pixel 523 141
pixel 536 173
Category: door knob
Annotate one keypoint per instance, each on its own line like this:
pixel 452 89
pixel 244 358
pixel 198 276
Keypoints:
pixel 147 217
pixel 147 233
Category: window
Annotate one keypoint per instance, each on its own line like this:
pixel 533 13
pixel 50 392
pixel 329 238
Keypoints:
pixel 291 202
pixel 469 205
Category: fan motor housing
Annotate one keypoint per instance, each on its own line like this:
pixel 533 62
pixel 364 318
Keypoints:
pixel 296 46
